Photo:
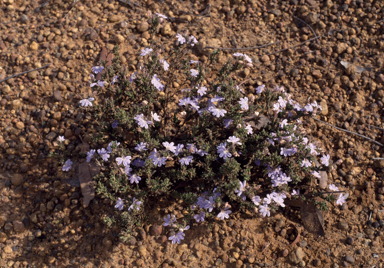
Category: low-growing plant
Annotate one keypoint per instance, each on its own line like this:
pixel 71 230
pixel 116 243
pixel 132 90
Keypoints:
pixel 188 130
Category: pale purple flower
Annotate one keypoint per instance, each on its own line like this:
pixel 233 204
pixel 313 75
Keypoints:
pixel 295 192
pixel 177 238
pixel 201 152
pixel 103 154
pixel 112 144
pixel 125 160
pixel 127 170
pixel 224 214
pixel 249 129
pixel 119 204
pixel 288 151
pixel 194 61
pixel 242 188
pixel 165 64
pixel 312 149
pixel 306 163
pixel 192 40
pixel 268 199
pixel 227 122
pixel 115 124
pixel 202 91
pixel 234 139
pixel 133 76
pixel 325 160
pixel 283 123
pixel 308 108
pixel 217 99
pixel 316 174
pixel 134 179
pixel 184 229
pixel 157 160
pixel 140 120
pixel 333 188
pixel 146 51
pixel 141 147
pixel 169 146
pixel 138 162
pixel 341 200
pixel 97 69
pixel 180 38
pixel 199 217
pixel 185 161
pixel 114 79
pixel 169 220
pixel 90 155
pixel 87 102
pixel 61 139
pixel 155 116
pixel 244 103
pixel 135 205
pixel 264 210
pixel 156 82
pixel 282 102
pixel 256 200
pixel 67 165
pixel 217 112
pixel 223 151
pixel 247 58
pixel 161 16
pixel 260 89
pixel 194 72
pixel 179 148
pixel 98 83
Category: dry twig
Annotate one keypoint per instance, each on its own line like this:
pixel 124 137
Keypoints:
pixel 12 76
pixel 342 129
pixel 309 40
pixel 309 28
pixel 245 48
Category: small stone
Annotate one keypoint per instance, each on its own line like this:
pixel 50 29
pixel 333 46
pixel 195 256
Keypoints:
pixel 265 58
pixel 18 226
pixel 311 18
pixel 16 104
pixel 51 136
pixel 343 225
pixel 24 18
pixel 57 95
pixel 299 254
pixel 115 18
pixel 143 26
pixel 317 263
pixel 349 259
pixel 19 125
pixel 324 107
pixel 369 231
pixel 7 249
pixel 17 179
pixel 3 237
pixel 107 242
pixel 166 30
pixel 143 251
pixel 303 243
pixel 341 48
pixel 34 46
pixel 349 240
pixel 2 221
pixel 119 39
pixel 156 230
pixel 285 253
pixel 32 75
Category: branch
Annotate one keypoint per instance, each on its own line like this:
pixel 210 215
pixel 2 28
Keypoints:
pixel 9 77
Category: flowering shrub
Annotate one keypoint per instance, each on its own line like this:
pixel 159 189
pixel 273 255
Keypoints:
pixel 213 144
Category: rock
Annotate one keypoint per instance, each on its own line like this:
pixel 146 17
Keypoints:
pixel 166 30
pixel 3 237
pixel 143 251
pixel 57 95
pixel 32 75
pixel 343 225
pixel 57 115
pixel 107 242
pixel 18 226
pixel 115 18
pixel 299 253
pixel 19 125
pixel 51 135
pixel 311 18
pixel 349 240
pixel 17 179
pixel 16 104
pixel 7 249
pixel 208 42
pixel 34 46
pixel 349 259
pixel 324 107
pixel 2 221
pixel 24 18
pixel 156 230
pixel 341 48
pixel 6 90
pixel 119 39
pixel 303 243
pixel 265 58
pixel 143 26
